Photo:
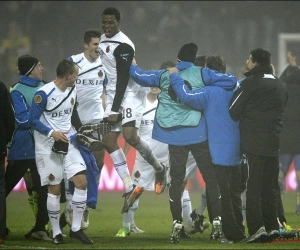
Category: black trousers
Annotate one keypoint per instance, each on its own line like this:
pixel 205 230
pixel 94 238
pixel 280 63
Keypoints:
pixel 261 194
pixel 229 180
pixel 178 160
pixel 2 200
pixel 15 170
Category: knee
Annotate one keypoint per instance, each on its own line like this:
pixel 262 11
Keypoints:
pixel 80 181
pixel 131 139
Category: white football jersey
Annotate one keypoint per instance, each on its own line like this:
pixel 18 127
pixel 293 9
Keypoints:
pixel 58 119
pixel 106 49
pixel 89 85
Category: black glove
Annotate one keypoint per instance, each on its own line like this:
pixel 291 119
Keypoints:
pixel 60 147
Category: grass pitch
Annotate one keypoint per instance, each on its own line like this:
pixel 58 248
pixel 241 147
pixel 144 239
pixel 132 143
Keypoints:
pixel 153 216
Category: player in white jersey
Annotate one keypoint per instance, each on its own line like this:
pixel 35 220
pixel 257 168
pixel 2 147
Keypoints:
pixel 52 117
pixel 123 97
pixel 90 101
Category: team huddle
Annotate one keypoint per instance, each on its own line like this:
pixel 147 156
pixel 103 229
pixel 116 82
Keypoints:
pixel 180 117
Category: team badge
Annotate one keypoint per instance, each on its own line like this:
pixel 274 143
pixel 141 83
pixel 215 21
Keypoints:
pixel 37 98
pixel 51 177
pixel 107 49
pixel 137 174
pixel 72 101
pixel 100 73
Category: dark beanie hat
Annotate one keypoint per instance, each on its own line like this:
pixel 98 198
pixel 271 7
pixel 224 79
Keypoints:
pixel 188 52
pixel 26 64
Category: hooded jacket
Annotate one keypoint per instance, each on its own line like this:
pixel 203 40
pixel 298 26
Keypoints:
pixel 21 146
pixel 179 135
pixel 223 132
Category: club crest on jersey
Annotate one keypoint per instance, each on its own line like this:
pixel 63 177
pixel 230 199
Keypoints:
pixel 51 177
pixel 107 49
pixel 37 98
pixel 137 174
pixel 100 73
pixel 72 101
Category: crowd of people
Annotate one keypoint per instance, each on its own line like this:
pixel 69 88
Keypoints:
pixel 226 28
pixel 186 115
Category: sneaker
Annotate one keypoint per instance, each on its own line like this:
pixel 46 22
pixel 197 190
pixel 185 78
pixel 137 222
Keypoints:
pixel 273 235
pixel 131 197
pixel 123 232
pixel 161 180
pixel 135 230
pixel 260 236
pixel 69 216
pixel 58 239
pixel 216 232
pixel 183 233
pixel 287 232
pixel 190 227
pixel 85 219
pixel 92 144
pixel 40 235
pixel 81 236
pixel 198 222
pixel 176 230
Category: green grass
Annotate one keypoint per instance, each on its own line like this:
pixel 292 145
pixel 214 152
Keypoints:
pixel 153 216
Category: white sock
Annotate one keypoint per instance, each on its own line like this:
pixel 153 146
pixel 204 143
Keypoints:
pixel 202 204
pixel 186 206
pixel 120 164
pixel 279 224
pixel 243 198
pixel 53 207
pixel 78 206
pixel 128 218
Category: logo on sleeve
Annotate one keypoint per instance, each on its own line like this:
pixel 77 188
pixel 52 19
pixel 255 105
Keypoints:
pixel 137 174
pixel 51 177
pixel 124 56
pixel 107 49
pixel 37 98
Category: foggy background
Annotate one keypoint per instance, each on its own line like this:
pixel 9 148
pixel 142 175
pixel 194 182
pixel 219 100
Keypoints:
pixel 53 30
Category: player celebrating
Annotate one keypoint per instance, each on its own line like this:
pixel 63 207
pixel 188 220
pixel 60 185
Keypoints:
pixel 90 101
pixel 124 96
pixel 52 117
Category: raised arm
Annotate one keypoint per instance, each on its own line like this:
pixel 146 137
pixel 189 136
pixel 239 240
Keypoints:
pixel 145 78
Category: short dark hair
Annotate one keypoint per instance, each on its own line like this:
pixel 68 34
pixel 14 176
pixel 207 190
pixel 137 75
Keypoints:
pixel 167 64
pixel 65 67
pixel 112 12
pixel 261 56
pixel 200 60
pixel 89 34
pixel 216 62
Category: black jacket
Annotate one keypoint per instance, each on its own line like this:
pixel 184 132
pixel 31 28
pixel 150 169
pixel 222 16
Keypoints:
pixel 259 103
pixel 7 119
pixel 290 136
